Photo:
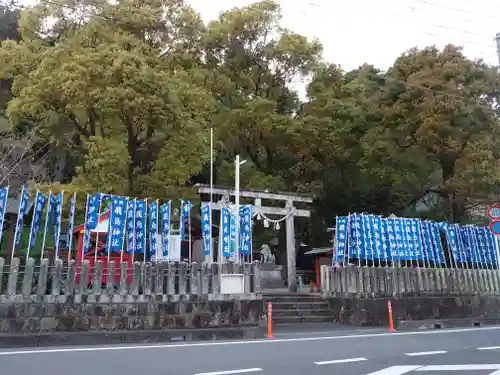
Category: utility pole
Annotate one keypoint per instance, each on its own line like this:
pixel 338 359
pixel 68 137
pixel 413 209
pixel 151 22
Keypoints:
pixel 497 39
pixel 237 206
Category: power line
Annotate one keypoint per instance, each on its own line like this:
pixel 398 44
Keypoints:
pixel 447 7
pixel 405 83
pixel 458 30
pixel 465 37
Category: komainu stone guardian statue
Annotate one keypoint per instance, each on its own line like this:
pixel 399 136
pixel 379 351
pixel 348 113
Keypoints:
pixel 266 255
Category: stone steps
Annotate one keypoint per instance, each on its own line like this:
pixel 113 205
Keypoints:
pixel 278 314
pixel 293 297
pixel 295 308
pixel 289 305
pixel 301 319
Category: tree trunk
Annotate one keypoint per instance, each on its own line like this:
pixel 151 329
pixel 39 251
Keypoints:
pixel 456 206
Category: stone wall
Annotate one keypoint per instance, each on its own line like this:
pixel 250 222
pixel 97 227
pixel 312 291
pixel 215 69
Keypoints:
pixel 408 281
pixel 464 310
pixel 62 299
pixel 359 295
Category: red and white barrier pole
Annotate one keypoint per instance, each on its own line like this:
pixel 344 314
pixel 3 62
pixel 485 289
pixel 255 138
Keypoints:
pixel 270 320
pixel 391 320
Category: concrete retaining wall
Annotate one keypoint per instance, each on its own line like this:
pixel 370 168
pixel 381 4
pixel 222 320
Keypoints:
pixel 420 297
pixel 414 312
pixel 42 304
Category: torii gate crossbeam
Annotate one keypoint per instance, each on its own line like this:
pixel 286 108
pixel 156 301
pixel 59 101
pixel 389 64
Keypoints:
pixel 257 196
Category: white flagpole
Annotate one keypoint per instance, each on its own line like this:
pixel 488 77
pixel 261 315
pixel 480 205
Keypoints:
pixel 497 249
pixel 251 231
pixel 384 240
pixel 357 238
pixel 483 248
pixel 404 235
pixel 461 248
pixel 211 163
pixel 425 250
pixel 482 235
pixel 124 230
pixel 145 240
pixel 182 228
pixel 211 259
pixel 476 249
pixel 17 229
pixel 109 234
pixel 85 238
pixel 47 218
pixel 32 222
pixel 335 246
pixel 348 241
pixel 365 237
pixel 454 261
pixel 156 231
pixel 431 256
pixel 2 219
pixel 71 225
pixel 373 239
pixel 438 254
pixel 221 234
pixel 450 250
pixel 484 277
pixel 58 229
pixel 390 224
pixel 169 231
pixel 211 255
pixel 134 241
pixel 414 240
pixel 189 234
pixel 97 229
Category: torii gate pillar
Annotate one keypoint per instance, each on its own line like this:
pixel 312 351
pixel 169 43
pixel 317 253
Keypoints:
pixel 291 251
pixel 289 209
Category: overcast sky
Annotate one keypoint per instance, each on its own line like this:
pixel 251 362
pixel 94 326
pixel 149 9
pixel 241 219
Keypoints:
pixel 377 31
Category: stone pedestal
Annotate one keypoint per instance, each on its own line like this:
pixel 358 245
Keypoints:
pixel 271 276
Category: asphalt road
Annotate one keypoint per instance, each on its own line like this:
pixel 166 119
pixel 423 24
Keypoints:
pixel 343 352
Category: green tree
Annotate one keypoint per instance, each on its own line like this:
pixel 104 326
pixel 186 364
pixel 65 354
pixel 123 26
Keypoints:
pixel 340 110
pixel 105 76
pixel 439 129
pixel 253 64
pixel 105 167
pixel 9 18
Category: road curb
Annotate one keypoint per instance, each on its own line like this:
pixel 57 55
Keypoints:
pixel 43 339
pixel 412 325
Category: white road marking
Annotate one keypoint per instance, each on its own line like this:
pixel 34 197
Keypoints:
pixel 241 371
pixel 416 354
pixel 459 368
pixel 347 360
pixel 243 342
pixel 395 370
pixel 489 348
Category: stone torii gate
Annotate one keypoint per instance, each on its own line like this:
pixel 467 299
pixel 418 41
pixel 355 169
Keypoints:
pixel 257 207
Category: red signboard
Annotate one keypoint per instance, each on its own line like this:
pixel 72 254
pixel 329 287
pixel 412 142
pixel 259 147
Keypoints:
pixel 494 211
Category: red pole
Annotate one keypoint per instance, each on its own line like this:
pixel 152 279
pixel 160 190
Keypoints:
pixel 391 320
pixel 270 320
pixel 318 282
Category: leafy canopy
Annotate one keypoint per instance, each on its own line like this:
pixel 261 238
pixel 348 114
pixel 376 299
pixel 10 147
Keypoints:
pixel 126 92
